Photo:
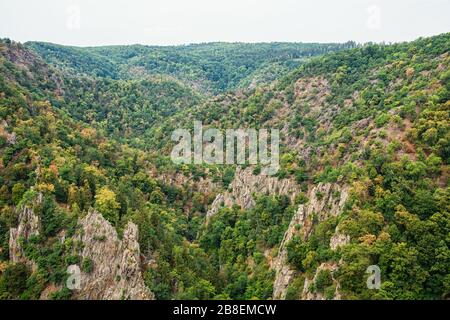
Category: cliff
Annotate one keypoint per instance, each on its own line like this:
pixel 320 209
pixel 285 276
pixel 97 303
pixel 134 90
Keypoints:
pixel 325 200
pixel 28 226
pixel 115 273
pixel 116 270
pixel 245 185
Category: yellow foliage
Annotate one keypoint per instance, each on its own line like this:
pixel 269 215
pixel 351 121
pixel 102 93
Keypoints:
pixel 384 236
pixel 106 199
pixel 3 265
pixel 360 189
pixel 409 72
pixel 45 188
pixel 94 171
pixel 379 180
pixel 368 239
pixel 88 133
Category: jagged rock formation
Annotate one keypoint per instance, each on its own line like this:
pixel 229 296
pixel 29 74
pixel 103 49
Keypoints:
pixel 325 200
pixel 283 272
pixel 28 226
pixel 179 179
pixel 116 272
pixel 245 184
pixel 217 203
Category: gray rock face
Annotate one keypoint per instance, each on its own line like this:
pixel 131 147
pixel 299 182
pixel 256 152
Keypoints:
pixel 11 138
pixel 283 272
pixel 218 201
pixel 28 226
pixel 116 270
pixel 325 200
pixel 245 184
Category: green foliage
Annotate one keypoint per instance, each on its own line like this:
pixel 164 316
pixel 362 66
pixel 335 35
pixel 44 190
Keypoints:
pixel 13 281
pixel 215 67
pixel 87 265
pixel 233 236
pixel 17 192
pixel 227 177
pixel 323 280
pixel 92 129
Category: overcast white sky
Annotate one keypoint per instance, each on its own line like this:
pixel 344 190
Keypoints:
pixel 102 22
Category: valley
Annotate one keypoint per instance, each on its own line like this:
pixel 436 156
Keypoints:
pixel 87 179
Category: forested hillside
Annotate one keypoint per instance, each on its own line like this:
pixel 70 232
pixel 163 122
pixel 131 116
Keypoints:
pixel 210 67
pixel 365 149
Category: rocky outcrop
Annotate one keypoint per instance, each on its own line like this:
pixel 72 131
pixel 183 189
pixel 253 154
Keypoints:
pixel 313 89
pixel 116 272
pixel 245 185
pixel 325 200
pixel 338 240
pixel 283 272
pixel 215 206
pixel 28 226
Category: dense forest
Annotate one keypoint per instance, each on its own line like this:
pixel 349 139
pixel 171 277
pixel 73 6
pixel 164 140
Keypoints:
pixel 89 128
pixel 209 67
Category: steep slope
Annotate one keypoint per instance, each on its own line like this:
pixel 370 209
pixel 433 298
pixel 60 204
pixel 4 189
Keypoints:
pixel 372 121
pixel 53 169
pixel 329 205
pixel 110 267
pixel 363 179
pixel 115 271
